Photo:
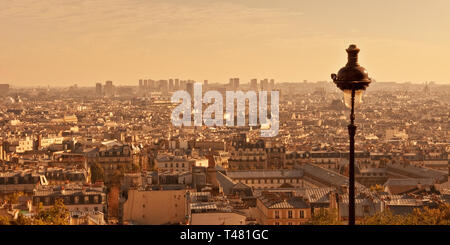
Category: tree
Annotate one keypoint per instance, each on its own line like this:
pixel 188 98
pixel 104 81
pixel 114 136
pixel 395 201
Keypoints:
pixel 4 220
pixel 14 197
pixel 97 172
pixel 377 188
pixel 117 176
pixel 325 217
pixel 135 168
pixel 384 218
pixel 431 216
pixel 21 220
pixel 56 215
pixel 425 216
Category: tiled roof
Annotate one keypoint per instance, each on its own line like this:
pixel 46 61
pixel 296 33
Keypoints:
pixel 318 195
pixel 203 206
pixel 50 192
pixel 408 182
pixel 265 174
pixel 225 182
pixel 359 199
pixel 420 171
pixel 289 203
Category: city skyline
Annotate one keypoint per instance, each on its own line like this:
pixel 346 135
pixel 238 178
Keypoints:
pixel 84 42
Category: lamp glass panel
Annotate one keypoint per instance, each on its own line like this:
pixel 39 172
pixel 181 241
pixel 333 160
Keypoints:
pixel 348 98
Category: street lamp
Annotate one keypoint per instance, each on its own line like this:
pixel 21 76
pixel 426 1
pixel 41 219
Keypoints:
pixel 352 79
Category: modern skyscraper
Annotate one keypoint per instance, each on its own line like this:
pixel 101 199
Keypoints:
pixel 190 88
pixel 145 85
pixel 4 89
pixel 234 83
pixel 98 89
pixel 254 84
pixel 171 87
pixel 163 86
pixel 177 84
pixel 151 86
pixel 183 85
pixel 264 84
pixel 109 89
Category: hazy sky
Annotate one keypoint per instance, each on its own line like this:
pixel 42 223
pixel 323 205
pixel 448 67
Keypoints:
pixel 58 42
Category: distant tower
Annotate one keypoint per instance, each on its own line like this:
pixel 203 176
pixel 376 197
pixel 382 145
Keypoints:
pixel 98 89
pixel 163 86
pixel 205 84
pixel 171 87
pixel 151 85
pixel 190 88
pixel 145 85
pixel 272 84
pixel 140 84
pixel 183 85
pixel 109 89
pixel 254 84
pixel 4 89
pixel 177 84
pixel 234 83
pixel 264 84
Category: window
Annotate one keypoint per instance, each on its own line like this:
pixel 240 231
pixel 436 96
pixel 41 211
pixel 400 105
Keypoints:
pixel 86 199
pixel 290 214
pixel 289 223
pixel 366 209
pixel 277 223
pixel 95 199
pixel 302 214
pixel 76 200
pixel 277 214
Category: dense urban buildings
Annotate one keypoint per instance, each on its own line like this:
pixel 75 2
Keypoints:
pixel 112 155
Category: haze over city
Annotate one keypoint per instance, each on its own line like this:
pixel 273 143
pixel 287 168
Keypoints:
pixel 61 43
pixel 222 120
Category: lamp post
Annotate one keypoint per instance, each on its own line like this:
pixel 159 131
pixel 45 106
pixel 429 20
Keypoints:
pixel 352 79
